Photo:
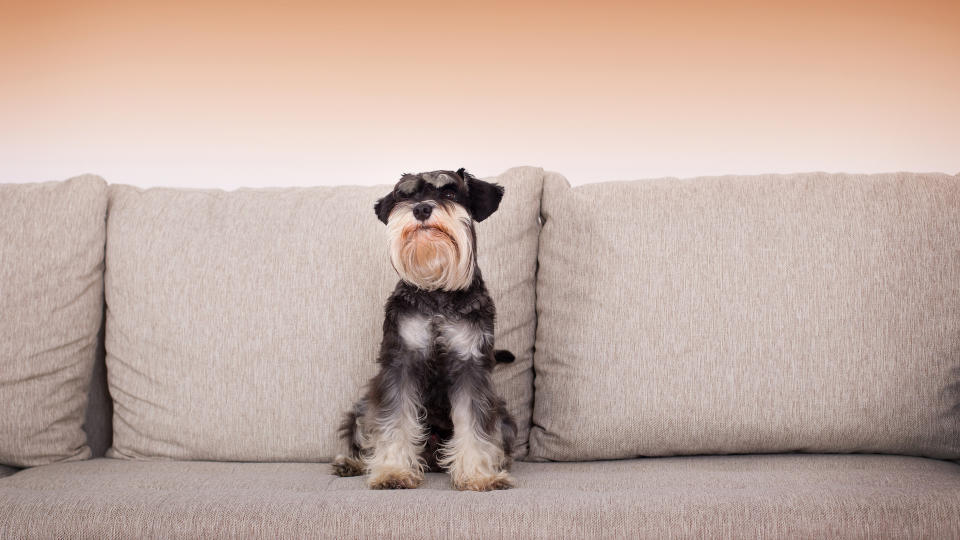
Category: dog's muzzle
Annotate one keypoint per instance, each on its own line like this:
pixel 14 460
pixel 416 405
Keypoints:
pixel 431 245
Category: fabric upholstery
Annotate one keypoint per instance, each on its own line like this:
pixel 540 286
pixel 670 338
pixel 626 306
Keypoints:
pixel 774 496
pixel 98 423
pixel 242 325
pixel 51 301
pixel 809 312
pixel 7 471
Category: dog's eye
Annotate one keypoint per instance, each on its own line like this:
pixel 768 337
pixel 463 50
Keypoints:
pixel 448 192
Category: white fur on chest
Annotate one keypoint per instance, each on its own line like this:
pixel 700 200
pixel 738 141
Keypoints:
pixel 463 339
pixel 416 332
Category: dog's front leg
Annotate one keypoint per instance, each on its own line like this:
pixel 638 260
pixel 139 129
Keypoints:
pixel 474 456
pixel 397 432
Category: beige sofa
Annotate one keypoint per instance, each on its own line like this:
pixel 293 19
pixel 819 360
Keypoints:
pixel 768 356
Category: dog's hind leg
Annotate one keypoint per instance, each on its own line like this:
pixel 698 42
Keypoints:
pixel 351 430
pixel 347 466
pixel 508 432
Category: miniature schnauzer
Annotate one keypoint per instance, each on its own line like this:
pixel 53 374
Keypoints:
pixel 432 405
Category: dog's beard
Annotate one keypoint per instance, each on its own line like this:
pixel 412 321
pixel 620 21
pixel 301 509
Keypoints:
pixel 435 254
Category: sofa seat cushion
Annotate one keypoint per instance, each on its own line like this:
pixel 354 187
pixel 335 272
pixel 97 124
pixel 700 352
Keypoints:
pixel 7 471
pixel 764 495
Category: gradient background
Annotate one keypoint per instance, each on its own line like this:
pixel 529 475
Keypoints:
pixel 227 94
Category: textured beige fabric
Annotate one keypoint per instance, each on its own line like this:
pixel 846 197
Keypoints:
pixel 51 302
pixel 808 312
pixel 776 496
pixel 241 325
pixel 6 471
pixel 98 423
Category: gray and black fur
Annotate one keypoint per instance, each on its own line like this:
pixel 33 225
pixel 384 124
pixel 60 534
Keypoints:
pixel 432 405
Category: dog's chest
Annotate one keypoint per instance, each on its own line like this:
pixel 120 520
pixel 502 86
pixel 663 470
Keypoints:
pixel 428 334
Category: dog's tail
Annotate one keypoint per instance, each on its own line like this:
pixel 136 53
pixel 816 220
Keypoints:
pixel 503 356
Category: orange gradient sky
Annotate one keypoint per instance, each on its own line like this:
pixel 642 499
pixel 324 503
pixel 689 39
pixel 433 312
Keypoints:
pixel 228 94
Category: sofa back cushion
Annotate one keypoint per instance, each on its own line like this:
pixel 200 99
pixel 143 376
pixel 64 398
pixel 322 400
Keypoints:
pixel 809 312
pixel 51 305
pixel 242 325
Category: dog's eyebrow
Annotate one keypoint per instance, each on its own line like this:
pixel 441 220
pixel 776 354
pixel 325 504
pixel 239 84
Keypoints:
pixel 440 180
pixel 408 186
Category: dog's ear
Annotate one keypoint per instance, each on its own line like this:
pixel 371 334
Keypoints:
pixel 484 196
pixel 384 206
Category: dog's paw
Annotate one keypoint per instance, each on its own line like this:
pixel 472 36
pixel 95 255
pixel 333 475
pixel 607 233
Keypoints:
pixel 394 479
pixel 346 466
pixel 500 480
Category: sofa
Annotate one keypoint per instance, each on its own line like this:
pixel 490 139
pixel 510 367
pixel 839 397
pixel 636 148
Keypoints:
pixel 735 356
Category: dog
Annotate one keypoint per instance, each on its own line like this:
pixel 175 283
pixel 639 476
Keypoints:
pixel 432 406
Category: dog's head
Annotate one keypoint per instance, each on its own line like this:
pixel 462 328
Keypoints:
pixel 429 218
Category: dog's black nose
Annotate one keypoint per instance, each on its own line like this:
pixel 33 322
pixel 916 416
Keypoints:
pixel 422 211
